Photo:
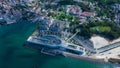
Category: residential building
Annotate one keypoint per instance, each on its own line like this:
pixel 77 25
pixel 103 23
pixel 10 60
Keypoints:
pixel 74 10
pixel 88 14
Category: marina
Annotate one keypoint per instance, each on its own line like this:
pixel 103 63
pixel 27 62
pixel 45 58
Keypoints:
pixel 59 34
pixel 51 39
pixel 14 55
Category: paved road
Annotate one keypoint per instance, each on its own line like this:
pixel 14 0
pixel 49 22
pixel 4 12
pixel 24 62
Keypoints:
pixel 89 47
pixel 111 46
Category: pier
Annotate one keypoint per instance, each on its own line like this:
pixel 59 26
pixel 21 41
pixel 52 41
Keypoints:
pixel 83 57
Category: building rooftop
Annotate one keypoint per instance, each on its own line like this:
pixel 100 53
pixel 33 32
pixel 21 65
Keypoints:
pixel 43 27
pixel 88 14
pixel 74 10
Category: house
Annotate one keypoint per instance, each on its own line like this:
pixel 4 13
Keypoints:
pixel 116 7
pixel 88 14
pixel 2 21
pixel 117 19
pixel 74 10
pixel 54 27
pixel 82 21
pixel 1 0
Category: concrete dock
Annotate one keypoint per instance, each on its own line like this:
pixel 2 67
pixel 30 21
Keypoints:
pixel 83 57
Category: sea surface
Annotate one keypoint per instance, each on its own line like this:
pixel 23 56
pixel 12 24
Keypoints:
pixel 14 55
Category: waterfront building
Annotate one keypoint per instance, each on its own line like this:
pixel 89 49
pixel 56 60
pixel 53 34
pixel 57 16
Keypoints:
pixel 51 36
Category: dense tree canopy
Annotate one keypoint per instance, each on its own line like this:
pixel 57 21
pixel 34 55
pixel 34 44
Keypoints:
pixel 104 28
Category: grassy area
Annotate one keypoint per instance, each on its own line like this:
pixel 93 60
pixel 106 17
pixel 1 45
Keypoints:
pixel 62 16
pixel 100 29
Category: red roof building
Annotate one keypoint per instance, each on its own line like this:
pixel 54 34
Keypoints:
pixel 88 14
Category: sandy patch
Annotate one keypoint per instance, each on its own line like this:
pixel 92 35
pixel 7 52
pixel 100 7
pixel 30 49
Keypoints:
pixel 99 42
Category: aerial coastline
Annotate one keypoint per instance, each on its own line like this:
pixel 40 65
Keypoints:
pixel 103 53
pixel 80 29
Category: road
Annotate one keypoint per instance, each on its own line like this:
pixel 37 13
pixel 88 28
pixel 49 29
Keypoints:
pixel 87 45
pixel 111 46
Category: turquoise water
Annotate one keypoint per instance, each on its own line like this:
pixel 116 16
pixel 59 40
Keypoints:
pixel 14 55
